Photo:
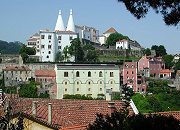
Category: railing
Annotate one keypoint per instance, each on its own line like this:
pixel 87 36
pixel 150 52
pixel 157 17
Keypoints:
pixel 134 107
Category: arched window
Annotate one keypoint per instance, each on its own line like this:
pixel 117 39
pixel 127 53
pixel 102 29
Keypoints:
pixel 89 74
pixel 77 74
pixel 100 74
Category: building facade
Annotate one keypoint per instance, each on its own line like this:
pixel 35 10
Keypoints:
pixel 150 66
pixel 130 75
pixel 87 79
pixel 15 75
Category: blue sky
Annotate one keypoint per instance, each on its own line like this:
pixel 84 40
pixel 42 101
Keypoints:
pixel 19 19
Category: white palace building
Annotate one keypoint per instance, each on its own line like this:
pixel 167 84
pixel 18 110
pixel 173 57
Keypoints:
pixel 48 43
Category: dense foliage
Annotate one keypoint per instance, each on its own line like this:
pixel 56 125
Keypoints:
pixel 10 48
pixel 147 51
pixel 76 50
pixel 160 50
pixel 160 98
pixel 28 90
pixel 26 51
pixel 168 59
pixel 169 9
pixel 113 38
pixel 121 121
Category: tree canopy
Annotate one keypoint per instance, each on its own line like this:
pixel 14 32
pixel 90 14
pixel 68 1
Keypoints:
pixel 113 38
pixel 160 50
pixel 121 121
pixel 76 50
pixel 26 51
pixel 168 59
pixel 169 9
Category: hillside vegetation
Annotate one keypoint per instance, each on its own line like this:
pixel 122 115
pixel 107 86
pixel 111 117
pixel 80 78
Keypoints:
pixel 10 47
pixel 160 98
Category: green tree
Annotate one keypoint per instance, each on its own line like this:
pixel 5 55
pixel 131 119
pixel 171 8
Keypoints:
pixel 26 51
pixel 76 50
pixel 169 9
pixel 122 121
pixel 113 38
pixel 91 55
pixel 148 51
pixel 160 50
pixel 168 59
pixel 28 90
pixel 59 56
pixel 177 66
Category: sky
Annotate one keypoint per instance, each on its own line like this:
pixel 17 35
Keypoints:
pixel 20 19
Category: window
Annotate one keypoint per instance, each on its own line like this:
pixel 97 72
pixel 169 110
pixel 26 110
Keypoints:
pixel 111 74
pixel 65 89
pixel 111 82
pixel 132 66
pixel 65 74
pixel 127 72
pixel 100 74
pixel 100 82
pixel 77 74
pixel 77 89
pixel 59 47
pixel 89 82
pixel 47 56
pixel 42 46
pixel 49 46
pixel 49 36
pixel 37 46
pixel 77 82
pixel 89 74
pixel 49 41
pixel 89 89
pixel 70 37
pixel 132 72
pixel 42 36
pixel 59 37
pixel 49 52
pixel 65 83
pixel 59 41
pixel 100 89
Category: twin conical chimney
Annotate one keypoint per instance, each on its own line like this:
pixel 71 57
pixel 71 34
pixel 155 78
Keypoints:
pixel 60 24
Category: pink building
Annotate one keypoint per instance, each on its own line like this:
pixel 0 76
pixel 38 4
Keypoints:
pixel 130 74
pixel 150 66
pixel 47 78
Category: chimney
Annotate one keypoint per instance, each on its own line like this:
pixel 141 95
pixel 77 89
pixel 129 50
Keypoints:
pixel 34 108
pixel 50 113
pixel 111 108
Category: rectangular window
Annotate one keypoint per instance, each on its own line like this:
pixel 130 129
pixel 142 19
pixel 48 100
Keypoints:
pixel 59 47
pixel 49 46
pixel 59 37
pixel 111 74
pixel 49 36
pixel 65 74
pixel 42 46
pixel 42 36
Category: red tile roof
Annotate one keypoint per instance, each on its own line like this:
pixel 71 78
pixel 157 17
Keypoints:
pixel 111 30
pixel 16 68
pixel 66 113
pixel 166 71
pixel 45 73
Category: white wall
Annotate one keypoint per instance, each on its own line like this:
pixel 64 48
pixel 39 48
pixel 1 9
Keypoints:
pixel 97 85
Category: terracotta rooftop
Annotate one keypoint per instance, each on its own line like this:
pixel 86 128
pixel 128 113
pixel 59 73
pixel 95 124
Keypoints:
pixel 45 73
pixel 16 68
pixel 166 71
pixel 65 113
pixel 110 30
